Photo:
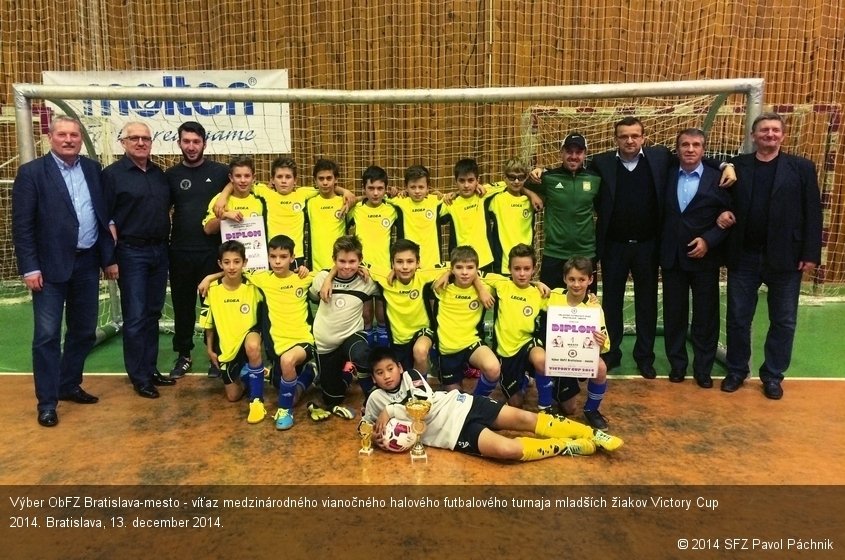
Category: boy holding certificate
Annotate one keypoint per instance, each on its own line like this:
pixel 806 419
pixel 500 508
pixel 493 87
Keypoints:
pixel 578 275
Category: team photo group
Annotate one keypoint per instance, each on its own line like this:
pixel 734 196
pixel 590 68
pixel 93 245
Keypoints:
pixel 328 286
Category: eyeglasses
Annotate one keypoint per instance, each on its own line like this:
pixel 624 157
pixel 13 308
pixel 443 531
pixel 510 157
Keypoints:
pixel 138 139
pixel 514 177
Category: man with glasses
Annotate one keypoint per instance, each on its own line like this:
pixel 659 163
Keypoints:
pixel 60 229
pixel 139 204
pixel 630 208
pixel 569 193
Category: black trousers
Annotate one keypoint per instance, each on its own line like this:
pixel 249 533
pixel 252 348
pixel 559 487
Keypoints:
pixel 187 269
pixel 640 259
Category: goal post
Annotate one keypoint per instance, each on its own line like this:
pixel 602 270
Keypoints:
pixel 752 88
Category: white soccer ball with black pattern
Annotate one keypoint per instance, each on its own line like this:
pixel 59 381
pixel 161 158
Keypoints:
pixel 397 436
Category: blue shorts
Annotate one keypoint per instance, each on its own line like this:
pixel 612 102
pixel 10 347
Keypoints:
pixel 482 414
pixel 405 352
pixel 516 367
pixel 276 369
pixel 452 366
pixel 231 371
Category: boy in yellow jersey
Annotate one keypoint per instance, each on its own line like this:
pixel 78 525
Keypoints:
pixel 519 305
pixel 466 215
pixel 466 423
pixel 510 215
pixel 374 222
pixel 285 202
pixel 325 216
pixel 242 203
pixel 418 214
pixel 287 325
pixel 459 315
pixel 230 310
pixel 405 294
pixel 578 275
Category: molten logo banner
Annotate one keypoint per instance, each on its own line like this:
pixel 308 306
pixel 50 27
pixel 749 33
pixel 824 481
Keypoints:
pixel 233 127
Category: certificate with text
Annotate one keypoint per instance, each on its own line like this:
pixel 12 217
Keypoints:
pixel 252 234
pixel 571 350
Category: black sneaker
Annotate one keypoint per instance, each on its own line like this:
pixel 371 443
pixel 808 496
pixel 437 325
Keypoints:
pixel 595 419
pixel 213 371
pixel 182 366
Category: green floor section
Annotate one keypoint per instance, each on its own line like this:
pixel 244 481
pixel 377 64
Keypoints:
pixel 818 350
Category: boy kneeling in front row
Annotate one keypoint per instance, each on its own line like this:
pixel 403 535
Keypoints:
pixel 464 422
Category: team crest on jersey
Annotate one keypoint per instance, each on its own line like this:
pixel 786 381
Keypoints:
pixel 429 215
pixel 185 184
pixel 526 213
pixel 340 303
pixel 254 215
pixel 297 207
pixel 299 292
pixel 586 186
pixel 385 223
pixel 414 294
pixel 528 311
pixel 474 304
pixel 245 308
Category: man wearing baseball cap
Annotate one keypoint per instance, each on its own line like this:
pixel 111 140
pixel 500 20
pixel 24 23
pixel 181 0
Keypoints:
pixel 569 192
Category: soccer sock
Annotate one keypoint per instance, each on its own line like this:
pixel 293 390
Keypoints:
pixel 554 427
pixel 367 385
pixel 380 335
pixel 306 378
pixel 286 390
pixel 534 449
pixel 545 389
pixel 595 393
pixel 255 374
pixel 484 387
pixel 368 333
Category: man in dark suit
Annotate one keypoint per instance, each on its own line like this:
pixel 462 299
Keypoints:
pixel 776 238
pixel 690 260
pixel 62 239
pixel 630 205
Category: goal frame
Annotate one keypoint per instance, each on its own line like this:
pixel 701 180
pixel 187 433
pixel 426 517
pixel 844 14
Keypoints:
pixel 752 88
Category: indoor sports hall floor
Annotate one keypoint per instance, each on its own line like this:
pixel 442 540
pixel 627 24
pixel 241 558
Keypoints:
pixel 674 434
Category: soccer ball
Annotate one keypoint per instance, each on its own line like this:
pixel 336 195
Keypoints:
pixel 397 436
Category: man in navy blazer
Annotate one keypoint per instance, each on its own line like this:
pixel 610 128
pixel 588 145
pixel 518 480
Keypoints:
pixel 629 207
pixel 61 234
pixel 690 259
pixel 776 238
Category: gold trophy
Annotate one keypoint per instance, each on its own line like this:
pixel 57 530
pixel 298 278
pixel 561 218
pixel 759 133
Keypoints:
pixel 417 410
pixel 365 430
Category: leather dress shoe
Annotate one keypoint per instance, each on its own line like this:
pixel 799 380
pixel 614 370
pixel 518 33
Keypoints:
pixel 612 363
pixel 48 418
pixel 704 381
pixel 731 383
pixel 677 376
pixel 772 389
pixel 147 391
pixel 161 381
pixel 79 396
pixel 647 371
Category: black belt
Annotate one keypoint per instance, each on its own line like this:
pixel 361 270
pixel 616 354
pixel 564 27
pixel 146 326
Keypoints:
pixel 141 241
pixel 81 251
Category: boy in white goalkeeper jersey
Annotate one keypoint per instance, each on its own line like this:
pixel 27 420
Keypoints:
pixel 465 422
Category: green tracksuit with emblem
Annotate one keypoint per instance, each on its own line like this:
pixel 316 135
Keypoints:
pixel 569 208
